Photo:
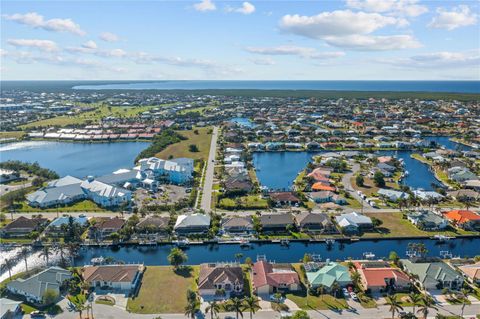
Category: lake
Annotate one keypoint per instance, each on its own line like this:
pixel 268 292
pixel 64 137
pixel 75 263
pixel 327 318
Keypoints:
pixel 76 159
pixel 277 170
pixel 396 86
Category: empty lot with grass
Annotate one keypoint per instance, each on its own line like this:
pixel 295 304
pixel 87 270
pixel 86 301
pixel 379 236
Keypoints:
pixel 201 140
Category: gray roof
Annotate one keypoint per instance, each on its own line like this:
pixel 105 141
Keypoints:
pixel 276 219
pixel 36 285
pixel 312 218
pixel 120 176
pixel 66 180
pixel 46 195
pixel 430 274
pixel 193 220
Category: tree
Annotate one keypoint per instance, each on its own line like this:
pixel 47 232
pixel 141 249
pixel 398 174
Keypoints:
pixel 45 253
pixel 213 308
pixel 37 182
pixel 9 264
pixel 464 296
pixel 300 314
pixel 193 148
pixel 378 179
pixel 376 222
pixel 415 300
pixel 335 289
pixel 394 304
pixel 192 304
pixel 251 305
pixel 359 180
pixel 77 303
pixel 49 297
pixel 177 257
pixel 321 289
pixel 115 237
pixel 236 305
pixel 393 257
pixel 24 252
pixel 3 217
pixel 355 278
pixel 425 306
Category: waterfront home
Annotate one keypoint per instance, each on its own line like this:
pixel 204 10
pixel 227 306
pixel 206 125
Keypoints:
pixel 175 171
pixel 392 195
pixel 237 185
pixel 7 175
pixel 471 272
pixel 433 275
pixel 276 222
pixel 153 225
pixel 319 186
pixel 237 225
pixel 354 222
pixel 192 224
pixel 425 195
pixel 326 197
pixel 104 227
pixel 105 195
pixel 270 278
pixel 124 278
pixel 23 226
pixel 466 193
pixel 328 275
pixel 33 288
pixel 63 191
pixel 464 219
pixel 320 174
pixel 427 220
pixel 284 198
pixel 380 277
pixel 10 309
pixel 220 281
pixel 314 222
pixel 460 174
pixel 57 226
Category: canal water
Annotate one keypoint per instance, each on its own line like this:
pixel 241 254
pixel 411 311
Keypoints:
pixel 76 159
pixel 157 255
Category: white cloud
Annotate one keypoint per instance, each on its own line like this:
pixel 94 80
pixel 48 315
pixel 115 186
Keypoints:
pixel 109 37
pixel 36 20
pixel 90 45
pixel 444 59
pixel 205 5
pixel 246 8
pixel 460 16
pixel 336 23
pixel 304 52
pixel 409 8
pixel 43 45
pixel 374 43
pixel 263 61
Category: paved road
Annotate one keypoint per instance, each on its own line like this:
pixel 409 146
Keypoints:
pixel 109 312
pixel 347 183
pixel 51 215
pixel 206 203
pixel 8 188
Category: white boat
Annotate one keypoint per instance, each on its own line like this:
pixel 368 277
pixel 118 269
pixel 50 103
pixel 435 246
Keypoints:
pixel 97 260
pixel 441 237
pixel 330 241
pixel 284 242
pixel 181 243
pixel 245 243
pixel 369 255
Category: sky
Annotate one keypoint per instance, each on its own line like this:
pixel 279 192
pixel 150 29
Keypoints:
pixel 240 40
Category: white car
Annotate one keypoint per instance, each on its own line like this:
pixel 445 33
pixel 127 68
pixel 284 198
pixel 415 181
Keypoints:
pixel 354 296
pixel 346 294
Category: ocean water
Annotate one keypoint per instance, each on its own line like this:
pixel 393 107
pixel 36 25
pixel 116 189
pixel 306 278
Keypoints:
pixel 396 86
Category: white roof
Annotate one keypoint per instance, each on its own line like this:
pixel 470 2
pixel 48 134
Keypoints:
pixel 192 220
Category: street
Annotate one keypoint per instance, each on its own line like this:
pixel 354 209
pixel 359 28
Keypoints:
pixel 206 202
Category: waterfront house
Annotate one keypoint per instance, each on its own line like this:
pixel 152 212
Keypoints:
pixel 427 220
pixel 425 195
pixel 105 195
pixel 464 219
pixel 433 275
pixel 276 222
pixel 284 198
pixel 471 272
pixel 192 224
pixel 7 175
pixel 57 226
pixel 124 278
pixel 380 277
pixel 314 222
pixel 220 281
pixel 175 171
pixel 354 222
pixel 319 186
pixel 104 227
pixel 392 195
pixel 33 288
pixel 23 226
pixel 237 225
pixel 10 309
pixel 460 174
pixel 238 185
pixel 329 274
pixel 326 197
pixel 466 193
pixel 63 191
pixel 270 278
pixel 153 225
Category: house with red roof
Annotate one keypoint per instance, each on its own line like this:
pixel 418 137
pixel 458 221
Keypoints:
pixel 464 219
pixel 269 278
pixel 380 277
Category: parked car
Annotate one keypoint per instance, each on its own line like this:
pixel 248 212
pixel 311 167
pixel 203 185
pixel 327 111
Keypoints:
pixel 345 292
pixel 354 296
pixel 37 314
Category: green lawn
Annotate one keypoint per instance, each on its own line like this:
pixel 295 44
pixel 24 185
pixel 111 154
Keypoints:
pixel 200 109
pixel 12 134
pixel 245 202
pixel 82 206
pixel 163 291
pixel 181 149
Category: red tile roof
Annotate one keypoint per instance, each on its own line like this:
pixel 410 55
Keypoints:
pixel 375 277
pixel 263 274
pixel 462 216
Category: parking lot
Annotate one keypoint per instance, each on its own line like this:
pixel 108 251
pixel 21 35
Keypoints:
pixel 165 195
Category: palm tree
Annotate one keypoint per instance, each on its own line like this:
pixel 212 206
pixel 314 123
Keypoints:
pixel 45 253
pixel 77 304
pixel 355 278
pixel 24 252
pixel 415 300
pixel 335 289
pixel 214 308
pixel 427 303
pixel 251 305
pixel 237 306
pixel 9 264
pixel 464 299
pixel 394 305
pixel 191 309
pixel 321 289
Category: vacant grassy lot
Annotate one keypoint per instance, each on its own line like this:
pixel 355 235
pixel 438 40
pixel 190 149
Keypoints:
pixel 201 140
pixel 82 206
pixel 200 109
pixel 12 134
pixel 322 302
pixel 246 202
pixel 163 291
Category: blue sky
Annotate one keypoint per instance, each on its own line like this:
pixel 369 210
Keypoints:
pixel 278 40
